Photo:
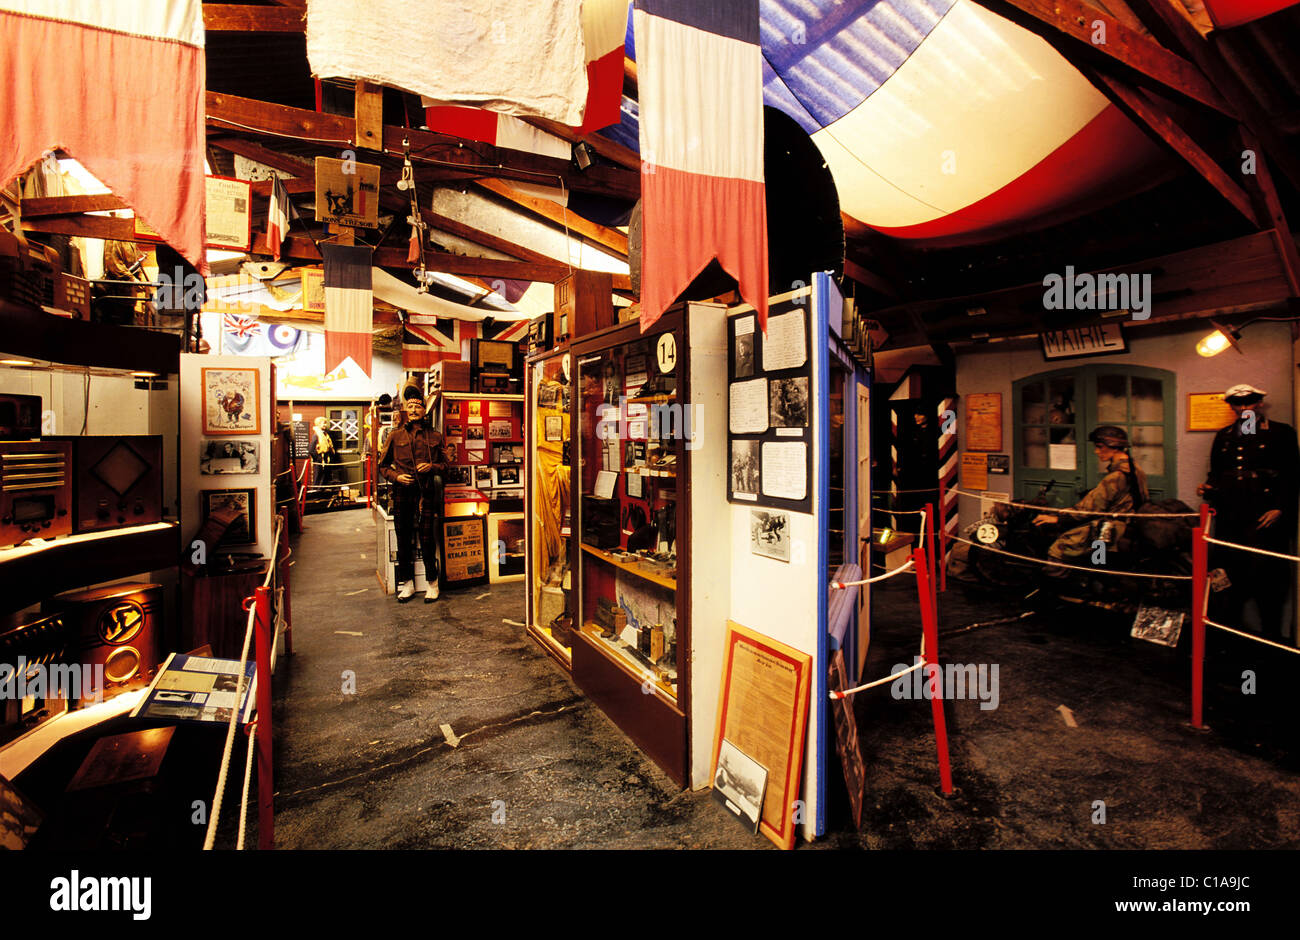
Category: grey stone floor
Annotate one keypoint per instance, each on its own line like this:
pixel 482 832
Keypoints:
pixel 374 770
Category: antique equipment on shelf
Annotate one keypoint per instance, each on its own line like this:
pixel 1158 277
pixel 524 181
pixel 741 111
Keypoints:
pixel 117 627
pixel 29 646
pixel 35 490
pixel 20 416
pixel 117 481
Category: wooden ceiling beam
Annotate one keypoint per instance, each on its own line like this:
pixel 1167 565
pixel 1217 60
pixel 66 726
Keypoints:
pixel 869 279
pixel 615 152
pixel 552 211
pixel 70 205
pixel 1271 214
pixel 241 18
pixel 1073 20
pixel 248 115
pixel 1146 111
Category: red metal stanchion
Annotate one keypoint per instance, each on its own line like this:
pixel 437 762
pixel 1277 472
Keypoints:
pixel 930 673
pixel 930 553
pixel 1199 578
pixel 265 781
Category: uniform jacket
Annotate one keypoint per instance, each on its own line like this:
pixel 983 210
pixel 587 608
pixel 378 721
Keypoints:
pixel 408 446
pixel 1253 473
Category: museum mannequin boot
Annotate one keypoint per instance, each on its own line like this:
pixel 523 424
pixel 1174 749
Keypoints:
pixel 431 594
pixel 405 591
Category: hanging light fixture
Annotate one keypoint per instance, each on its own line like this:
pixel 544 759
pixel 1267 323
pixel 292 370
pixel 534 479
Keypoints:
pixel 1217 341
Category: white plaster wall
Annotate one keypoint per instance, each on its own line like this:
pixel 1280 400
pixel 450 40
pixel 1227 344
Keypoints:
pixel 1265 362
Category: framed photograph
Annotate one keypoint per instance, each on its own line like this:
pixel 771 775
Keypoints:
pixel 739 785
pixel 454 432
pixel 474 432
pixel 763 712
pixel 453 409
pixel 230 402
pixel 744 469
pixel 483 478
pixel 458 475
pixel 499 431
pixel 506 453
pixel 450 451
pixel 476 410
pixel 769 534
pixel 243 530
pixel 789 398
pixel 228 457
pixel 742 358
pixel 505 476
pixel 554 428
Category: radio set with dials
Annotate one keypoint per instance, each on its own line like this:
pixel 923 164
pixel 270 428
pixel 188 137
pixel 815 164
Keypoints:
pixel 35 490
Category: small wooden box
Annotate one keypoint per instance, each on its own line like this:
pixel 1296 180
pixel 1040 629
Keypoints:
pixel 450 375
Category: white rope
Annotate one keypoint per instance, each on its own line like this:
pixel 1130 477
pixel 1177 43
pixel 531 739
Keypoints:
pixel 841 585
pixel 1247 548
pixel 900 512
pixel 217 797
pixel 1079 512
pixel 871 685
pixel 1061 564
pixel 243 801
pixel 1250 636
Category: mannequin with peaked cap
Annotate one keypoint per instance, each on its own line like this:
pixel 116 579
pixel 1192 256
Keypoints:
pixel 412 459
pixel 1252 486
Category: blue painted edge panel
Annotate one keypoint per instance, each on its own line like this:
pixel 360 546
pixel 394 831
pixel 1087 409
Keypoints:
pixel 824 293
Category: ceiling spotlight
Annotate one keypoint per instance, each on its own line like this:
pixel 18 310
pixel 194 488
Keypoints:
pixel 17 362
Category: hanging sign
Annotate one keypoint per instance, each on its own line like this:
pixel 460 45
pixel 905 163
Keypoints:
pixel 1097 339
pixel 347 193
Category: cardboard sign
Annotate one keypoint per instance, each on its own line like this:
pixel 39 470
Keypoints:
pixel 464 550
pixel 984 421
pixel 1098 339
pixel 347 193
pixel 1207 411
pixel 974 471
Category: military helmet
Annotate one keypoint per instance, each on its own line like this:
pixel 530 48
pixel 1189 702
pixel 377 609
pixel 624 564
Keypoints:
pixel 1110 435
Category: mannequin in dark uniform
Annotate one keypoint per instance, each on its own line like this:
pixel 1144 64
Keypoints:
pixel 412 459
pixel 1252 486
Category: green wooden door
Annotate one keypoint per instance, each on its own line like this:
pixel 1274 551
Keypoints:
pixel 1054 412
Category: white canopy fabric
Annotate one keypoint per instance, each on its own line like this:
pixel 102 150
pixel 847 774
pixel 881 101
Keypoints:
pixel 400 294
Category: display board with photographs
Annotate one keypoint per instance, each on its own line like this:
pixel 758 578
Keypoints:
pixel 770 407
pixel 242 502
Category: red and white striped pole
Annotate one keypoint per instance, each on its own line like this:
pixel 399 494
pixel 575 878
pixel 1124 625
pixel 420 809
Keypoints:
pixel 265 781
pixel 1199 579
pixel 930 553
pixel 943 536
pixel 930 671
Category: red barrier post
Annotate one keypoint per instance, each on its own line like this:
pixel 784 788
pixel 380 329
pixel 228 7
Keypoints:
pixel 930 672
pixel 930 552
pixel 1199 578
pixel 265 781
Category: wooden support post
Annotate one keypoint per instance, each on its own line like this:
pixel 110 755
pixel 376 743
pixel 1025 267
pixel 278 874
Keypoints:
pixel 369 114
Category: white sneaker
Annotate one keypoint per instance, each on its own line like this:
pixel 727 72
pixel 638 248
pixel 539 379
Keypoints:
pixel 405 591
pixel 431 594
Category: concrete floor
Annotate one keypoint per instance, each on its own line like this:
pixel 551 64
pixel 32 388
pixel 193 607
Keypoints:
pixel 373 769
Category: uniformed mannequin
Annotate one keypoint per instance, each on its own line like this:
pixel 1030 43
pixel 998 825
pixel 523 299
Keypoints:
pixel 1252 486
pixel 325 454
pixel 1122 489
pixel 412 459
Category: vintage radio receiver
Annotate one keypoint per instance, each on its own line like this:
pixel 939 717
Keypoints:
pixel 494 383
pixel 539 334
pixel 35 490
pixel 117 481
pixel 32 645
pixel 20 416
pixel 490 355
pixel 117 627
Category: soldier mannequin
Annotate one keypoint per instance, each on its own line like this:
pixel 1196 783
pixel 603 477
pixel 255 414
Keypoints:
pixel 1122 489
pixel 1252 485
pixel 412 460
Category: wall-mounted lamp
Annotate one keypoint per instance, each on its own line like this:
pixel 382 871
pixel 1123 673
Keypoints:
pixel 582 154
pixel 1220 339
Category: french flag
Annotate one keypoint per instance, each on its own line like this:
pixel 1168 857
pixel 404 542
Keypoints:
pixel 699 71
pixel 120 87
pixel 349 305
pixel 277 217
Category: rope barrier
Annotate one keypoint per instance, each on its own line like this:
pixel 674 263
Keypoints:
pixel 1250 636
pixel 248 776
pixel 841 585
pixel 211 836
pixel 284 473
pixel 1079 512
pixel 901 512
pixel 1061 564
pixel 871 685
pixel 340 463
pixel 1247 548
pixel 928 489
pixel 331 486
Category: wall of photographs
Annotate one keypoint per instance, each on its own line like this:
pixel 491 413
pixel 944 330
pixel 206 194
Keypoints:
pixel 769 426
pixel 484 444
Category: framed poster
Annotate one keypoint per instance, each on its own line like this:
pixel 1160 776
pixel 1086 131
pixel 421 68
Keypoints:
pixel 313 290
pixel 347 193
pixel 1208 411
pixel 230 401
pixel 228 204
pixel 984 421
pixel 464 550
pixel 243 502
pixel 763 711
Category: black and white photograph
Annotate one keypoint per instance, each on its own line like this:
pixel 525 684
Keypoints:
pixel 458 475
pixel 554 428
pixel 789 399
pixel 506 453
pixel 499 431
pixel 1158 625
pixel 744 364
pixel 739 784
pixel 483 478
pixel 744 467
pixel 769 534
pixel 474 432
pixel 228 457
pixel 505 476
pixel 243 529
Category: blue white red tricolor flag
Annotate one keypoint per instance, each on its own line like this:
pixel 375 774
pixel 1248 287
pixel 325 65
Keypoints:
pixel 349 305
pixel 277 217
pixel 700 76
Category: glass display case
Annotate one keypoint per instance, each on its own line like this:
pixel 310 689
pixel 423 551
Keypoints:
pixel 548 574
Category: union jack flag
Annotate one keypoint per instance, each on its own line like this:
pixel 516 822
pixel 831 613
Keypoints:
pixel 240 327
